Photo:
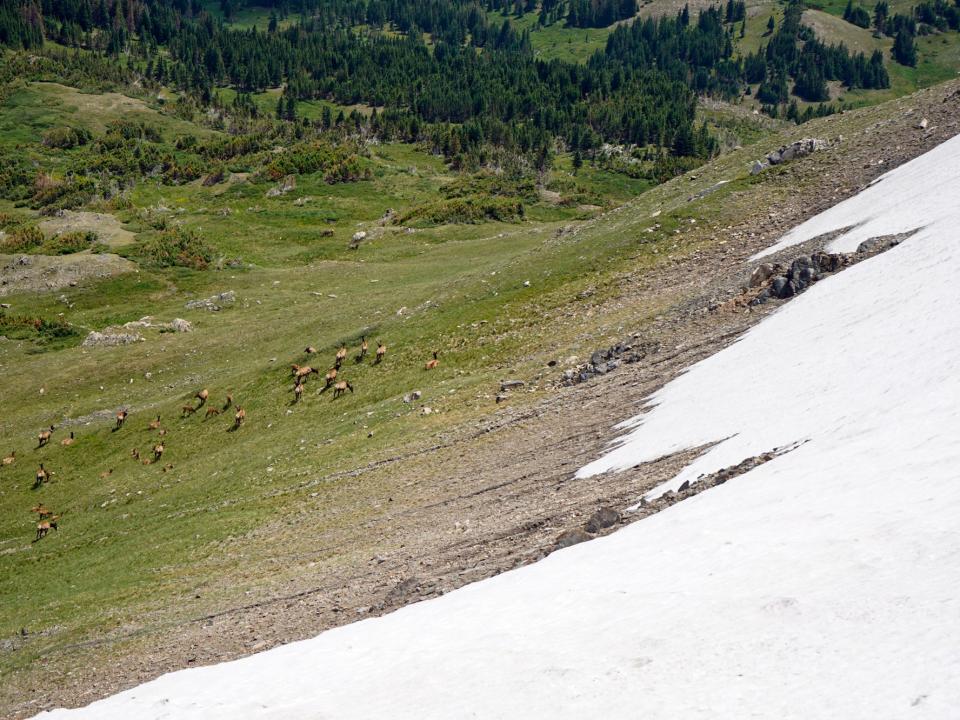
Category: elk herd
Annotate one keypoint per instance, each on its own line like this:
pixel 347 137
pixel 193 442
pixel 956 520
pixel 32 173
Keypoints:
pixel 47 520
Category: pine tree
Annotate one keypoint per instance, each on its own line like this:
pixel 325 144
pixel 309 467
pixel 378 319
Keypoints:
pixel 904 49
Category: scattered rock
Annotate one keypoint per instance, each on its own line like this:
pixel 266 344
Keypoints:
pixel 181 326
pixel 603 518
pixel 98 339
pixel 922 125
pixel 511 385
pixel 214 303
pixel 571 537
pixel 793 151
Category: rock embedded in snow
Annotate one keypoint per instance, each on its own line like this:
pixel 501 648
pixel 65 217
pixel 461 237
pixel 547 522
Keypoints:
pixel 571 537
pixel 602 519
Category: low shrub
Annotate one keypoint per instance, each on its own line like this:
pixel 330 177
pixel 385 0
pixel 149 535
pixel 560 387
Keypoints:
pixel 177 247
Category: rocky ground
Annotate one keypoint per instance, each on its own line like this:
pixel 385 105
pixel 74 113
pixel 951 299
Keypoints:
pixel 501 493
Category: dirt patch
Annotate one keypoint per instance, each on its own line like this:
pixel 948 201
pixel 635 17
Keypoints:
pixel 109 230
pixel 41 273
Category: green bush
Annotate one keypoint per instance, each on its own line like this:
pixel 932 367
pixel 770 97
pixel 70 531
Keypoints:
pixel 464 210
pixel 22 239
pixel 69 242
pixel 65 138
pixel 24 327
pixel 177 247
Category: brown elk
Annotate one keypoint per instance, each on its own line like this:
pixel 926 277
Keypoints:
pixel 44 437
pixel 229 403
pixel 11 458
pixel 364 346
pixel 202 397
pixel 302 373
pixel 239 417
pixel 121 419
pixel 211 412
pixel 310 350
pixel 45 526
pixel 106 473
pixel 135 454
pixel 340 357
pixel 155 424
pixel 41 510
pixel 158 452
pixel 42 476
pixel 381 351
pixel 187 410
pixel 330 377
pixel 68 441
pixel 431 364
pixel 341 387
pixel 297 393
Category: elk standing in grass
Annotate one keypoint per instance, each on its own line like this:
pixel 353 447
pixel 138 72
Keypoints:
pixel 341 387
pixel 187 410
pixel 341 356
pixel 121 419
pixel 68 441
pixel 239 417
pixel 202 397
pixel 44 526
pixel 41 510
pixel 330 378
pixel 310 350
pixel 155 424
pixel 381 351
pixel 42 476
pixel 229 403
pixel 363 348
pixel 302 373
pixel 44 437
pixel 158 452
pixel 11 458
pixel 211 412
pixel 297 393
pixel 431 364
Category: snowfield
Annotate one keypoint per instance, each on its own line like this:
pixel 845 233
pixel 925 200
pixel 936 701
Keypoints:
pixel 823 584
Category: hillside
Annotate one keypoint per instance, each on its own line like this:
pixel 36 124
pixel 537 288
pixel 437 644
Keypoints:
pixel 823 567
pixel 197 196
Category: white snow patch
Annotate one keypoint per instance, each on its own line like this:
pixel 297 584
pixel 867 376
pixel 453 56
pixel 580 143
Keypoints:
pixel 823 584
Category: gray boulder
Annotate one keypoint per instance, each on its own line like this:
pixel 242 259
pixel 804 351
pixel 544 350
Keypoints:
pixel 603 518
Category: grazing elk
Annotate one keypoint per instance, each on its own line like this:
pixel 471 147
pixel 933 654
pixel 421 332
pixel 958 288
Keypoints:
pixel 239 417
pixel 302 373
pixel 202 397
pixel 297 393
pixel 364 346
pixel 340 357
pixel 187 410
pixel 341 387
pixel 45 526
pixel 211 412
pixel 11 458
pixel 330 378
pixel 158 452
pixel 431 364
pixel 41 510
pixel 68 441
pixel 44 437
pixel 310 350
pixel 42 476
pixel 106 473
pixel 155 424
pixel 121 419
pixel 381 351
pixel 229 403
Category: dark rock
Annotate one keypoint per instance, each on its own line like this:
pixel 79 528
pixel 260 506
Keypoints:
pixel 778 287
pixel 684 486
pixel 571 537
pixel 598 357
pixel 809 275
pixel 603 518
pixel 761 298
pixel 798 266
pixel 827 262
pixel 511 385
pixel 601 369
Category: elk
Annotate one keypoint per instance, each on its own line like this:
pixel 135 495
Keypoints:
pixel 211 412
pixel 44 437
pixel 44 526
pixel 135 454
pixel 341 387
pixel 11 458
pixel 121 419
pixel 239 417
pixel 431 364
pixel 187 410
pixel 158 452
pixel 41 510
pixel 341 356
pixel 106 473
pixel 155 424
pixel 67 442
pixel 363 348
pixel 381 351
pixel 202 397
pixel 228 403
pixel 42 477
pixel 310 350
pixel 330 377
pixel 302 373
